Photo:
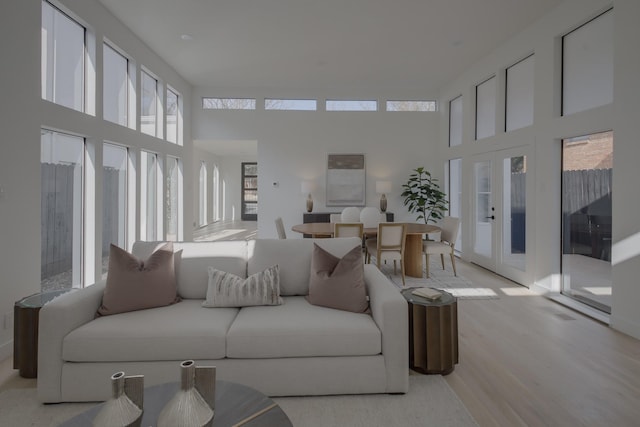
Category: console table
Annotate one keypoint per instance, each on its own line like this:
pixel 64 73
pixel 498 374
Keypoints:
pixel 324 216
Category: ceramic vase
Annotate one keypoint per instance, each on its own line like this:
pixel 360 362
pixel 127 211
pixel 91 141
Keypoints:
pixel 193 405
pixel 124 408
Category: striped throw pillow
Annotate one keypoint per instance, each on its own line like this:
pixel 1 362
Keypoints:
pixel 228 290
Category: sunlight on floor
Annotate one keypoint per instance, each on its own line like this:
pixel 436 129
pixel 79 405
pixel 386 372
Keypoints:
pixel 471 292
pixel 224 234
pixel 519 291
pixel 603 290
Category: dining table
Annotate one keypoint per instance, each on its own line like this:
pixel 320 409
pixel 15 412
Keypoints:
pixel 412 247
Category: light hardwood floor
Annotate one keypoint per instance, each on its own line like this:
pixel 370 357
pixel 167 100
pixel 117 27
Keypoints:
pixel 526 361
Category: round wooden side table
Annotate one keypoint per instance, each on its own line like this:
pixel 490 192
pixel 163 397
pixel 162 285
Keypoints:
pixel 433 333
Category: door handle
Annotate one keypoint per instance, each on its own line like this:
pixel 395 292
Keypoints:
pixel 490 217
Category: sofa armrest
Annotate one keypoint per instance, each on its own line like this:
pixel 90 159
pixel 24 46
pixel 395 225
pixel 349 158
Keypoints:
pixel 56 320
pixel 390 312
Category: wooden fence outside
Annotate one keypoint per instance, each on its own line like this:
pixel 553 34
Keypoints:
pixel 57 228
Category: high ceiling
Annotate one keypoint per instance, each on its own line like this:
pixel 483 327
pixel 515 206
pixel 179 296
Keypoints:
pixel 325 44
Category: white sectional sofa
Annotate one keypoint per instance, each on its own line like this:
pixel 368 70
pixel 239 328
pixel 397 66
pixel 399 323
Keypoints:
pixel 291 349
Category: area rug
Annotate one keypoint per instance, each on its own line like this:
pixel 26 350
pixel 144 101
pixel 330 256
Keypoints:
pixel 459 286
pixel 430 402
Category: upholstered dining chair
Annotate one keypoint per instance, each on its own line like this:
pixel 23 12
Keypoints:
pixel 370 217
pixel 350 214
pixel 333 218
pixel 389 246
pixel 347 229
pixel 280 228
pixel 448 237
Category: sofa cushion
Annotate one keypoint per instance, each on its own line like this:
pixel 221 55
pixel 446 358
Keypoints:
pixel 136 284
pixel 299 329
pixel 338 282
pixel 196 257
pixel 293 256
pixel 228 290
pixel 181 331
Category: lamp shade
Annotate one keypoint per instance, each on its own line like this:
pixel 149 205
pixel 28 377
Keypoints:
pixel 383 187
pixel 306 187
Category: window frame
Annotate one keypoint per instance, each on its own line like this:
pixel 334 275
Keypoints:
pixel 178 116
pixel 157 104
pixel 85 91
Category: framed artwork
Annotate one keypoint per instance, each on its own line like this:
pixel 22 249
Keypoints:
pixel 345 180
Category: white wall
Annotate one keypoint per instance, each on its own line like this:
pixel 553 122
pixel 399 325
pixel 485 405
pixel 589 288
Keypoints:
pixel 544 136
pixel 23 115
pixel 293 146
pixel 626 155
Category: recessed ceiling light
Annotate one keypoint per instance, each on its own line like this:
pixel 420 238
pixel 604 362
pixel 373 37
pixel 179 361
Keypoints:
pixel 186 37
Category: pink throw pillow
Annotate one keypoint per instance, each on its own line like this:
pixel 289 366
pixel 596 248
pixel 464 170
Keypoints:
pixel 134 284
pixel 338 282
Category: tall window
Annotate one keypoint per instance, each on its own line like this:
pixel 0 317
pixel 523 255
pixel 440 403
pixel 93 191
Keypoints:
pixel 174 194
pixel 116 86
pixel 202 217
pixel 519 94
pixel 453 187
pixel 115 162
pixel 150 205
pixel 455 121
pixel 587 179
pixel 587 65
pixel 216 193
pixel 149 105
pixel 63 58
pixel 486 108
pixel 62 202
pixel 172 116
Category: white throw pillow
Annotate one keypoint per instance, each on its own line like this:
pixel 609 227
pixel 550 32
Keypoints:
pixel 228 290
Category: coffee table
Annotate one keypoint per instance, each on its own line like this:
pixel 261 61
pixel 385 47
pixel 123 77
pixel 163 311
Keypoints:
pixel 236 404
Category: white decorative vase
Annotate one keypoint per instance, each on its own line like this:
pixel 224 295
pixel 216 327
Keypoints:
pixel 193 405
pixel 124 408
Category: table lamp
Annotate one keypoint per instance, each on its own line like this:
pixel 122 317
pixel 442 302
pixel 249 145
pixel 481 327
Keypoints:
pixel 383 187
pixel 307 188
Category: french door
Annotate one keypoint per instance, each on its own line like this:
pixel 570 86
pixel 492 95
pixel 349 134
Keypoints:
pixel 501 238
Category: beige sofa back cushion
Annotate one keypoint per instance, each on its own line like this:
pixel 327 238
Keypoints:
pixel 193 259
pixel 293 256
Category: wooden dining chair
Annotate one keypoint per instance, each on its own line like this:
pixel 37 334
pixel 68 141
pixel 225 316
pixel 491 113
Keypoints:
pixel 280 228
pixel 448 237
pixel 348 229
pixel 389 246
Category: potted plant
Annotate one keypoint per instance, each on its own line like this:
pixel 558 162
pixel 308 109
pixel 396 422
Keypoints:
pixel 422 195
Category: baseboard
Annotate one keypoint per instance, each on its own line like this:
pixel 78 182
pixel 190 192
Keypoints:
pixel 580 307
pixel 630 328
pixel 6 350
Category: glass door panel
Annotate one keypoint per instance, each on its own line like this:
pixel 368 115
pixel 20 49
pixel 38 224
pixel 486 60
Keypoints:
pixel 587 171
pixel 484 208
pixel 514 203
